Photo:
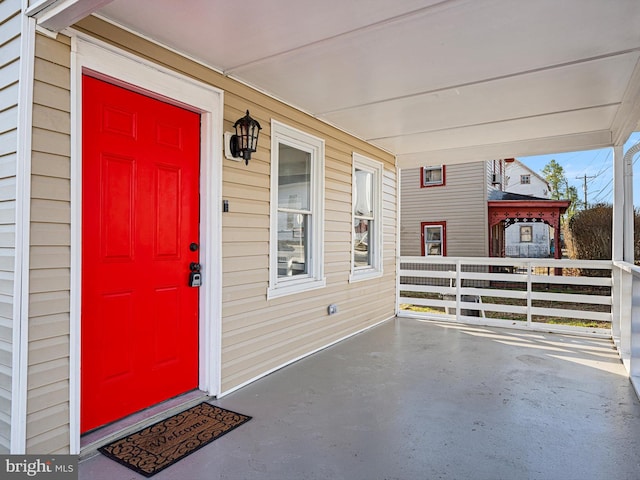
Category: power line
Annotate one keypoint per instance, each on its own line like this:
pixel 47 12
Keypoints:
pixel 608 187
pixel 584 188
pixel 604 165
pixel 604 196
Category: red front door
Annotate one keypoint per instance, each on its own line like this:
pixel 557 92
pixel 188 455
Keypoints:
pixel 140 230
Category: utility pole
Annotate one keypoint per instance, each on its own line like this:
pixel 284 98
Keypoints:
pixel 584 188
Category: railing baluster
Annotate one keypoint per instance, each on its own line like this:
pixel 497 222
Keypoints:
pixel 529 290
pixel 458 288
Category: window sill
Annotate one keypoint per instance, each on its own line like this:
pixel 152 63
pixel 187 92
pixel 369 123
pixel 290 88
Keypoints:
pixel 362 275
pixel 295 287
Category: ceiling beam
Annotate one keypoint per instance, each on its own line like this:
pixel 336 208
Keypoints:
pixel 521 148
pixel 628 116
pixel 454 88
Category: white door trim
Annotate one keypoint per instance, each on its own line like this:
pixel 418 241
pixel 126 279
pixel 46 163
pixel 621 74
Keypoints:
pixel 135 73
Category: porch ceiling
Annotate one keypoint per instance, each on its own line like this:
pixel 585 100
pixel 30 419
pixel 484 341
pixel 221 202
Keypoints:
pixel 431 81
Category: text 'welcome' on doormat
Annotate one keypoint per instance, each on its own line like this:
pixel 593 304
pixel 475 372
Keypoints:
pixel 159 446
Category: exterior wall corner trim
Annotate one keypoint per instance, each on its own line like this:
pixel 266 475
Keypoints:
pixel 23 201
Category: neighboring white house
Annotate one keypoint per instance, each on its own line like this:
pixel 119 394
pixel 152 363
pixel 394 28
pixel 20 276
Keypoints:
pixel 531 240
pixel 519 178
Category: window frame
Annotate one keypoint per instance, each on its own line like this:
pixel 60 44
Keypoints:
pixel 441 183
pixel 374 269
pixel 530 227
pixel 443 237
pixel 314 278
pixel 526 177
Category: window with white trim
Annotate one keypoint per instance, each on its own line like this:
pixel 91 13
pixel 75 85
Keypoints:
pixel 432 176
pixel 297 211
pixel 434 237
pixel 366 254
pixel 525 179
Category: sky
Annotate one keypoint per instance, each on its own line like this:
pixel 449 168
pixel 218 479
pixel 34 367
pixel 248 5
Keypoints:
pixel 597 165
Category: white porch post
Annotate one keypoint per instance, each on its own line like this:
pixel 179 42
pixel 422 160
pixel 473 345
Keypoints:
pixel 621 308
pixel 617 253
pixel 630 283
pixel 626 286
pixel 628 214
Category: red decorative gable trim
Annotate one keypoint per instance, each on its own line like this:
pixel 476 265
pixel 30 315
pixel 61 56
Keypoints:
pixel 512 211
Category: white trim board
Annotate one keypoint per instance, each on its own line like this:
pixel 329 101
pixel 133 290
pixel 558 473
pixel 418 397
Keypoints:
pixel 122 68
pixel 20 338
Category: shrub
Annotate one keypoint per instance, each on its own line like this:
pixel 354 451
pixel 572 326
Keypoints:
pixel 590 233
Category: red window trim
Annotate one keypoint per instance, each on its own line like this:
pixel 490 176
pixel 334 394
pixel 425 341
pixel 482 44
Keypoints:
pixel 444 178
pixel 443 239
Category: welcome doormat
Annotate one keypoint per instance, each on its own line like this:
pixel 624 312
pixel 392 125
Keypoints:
pixel 162 444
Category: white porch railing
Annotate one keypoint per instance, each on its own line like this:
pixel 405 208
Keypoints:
pixel 626 318
pixel 537 294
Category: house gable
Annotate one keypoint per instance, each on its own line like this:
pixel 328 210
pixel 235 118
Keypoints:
pixel 515 170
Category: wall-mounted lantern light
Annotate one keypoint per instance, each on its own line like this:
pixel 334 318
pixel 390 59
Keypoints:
pixel 245 140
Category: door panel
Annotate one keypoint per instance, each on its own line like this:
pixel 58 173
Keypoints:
pixel 140 213
pixel 116 223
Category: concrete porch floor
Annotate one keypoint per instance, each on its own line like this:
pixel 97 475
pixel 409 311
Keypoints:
pixel 427 400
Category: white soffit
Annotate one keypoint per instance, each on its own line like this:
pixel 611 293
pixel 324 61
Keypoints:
pixel 456 79
pixel 55 15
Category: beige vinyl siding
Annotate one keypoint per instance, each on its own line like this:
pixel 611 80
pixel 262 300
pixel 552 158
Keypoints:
pixel 10 25
pixel 49 281
pixel 461 203
pixel 258 335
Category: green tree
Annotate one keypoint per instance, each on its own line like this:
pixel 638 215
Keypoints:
pixel 559 187
pixel 554 174
pixel 572 194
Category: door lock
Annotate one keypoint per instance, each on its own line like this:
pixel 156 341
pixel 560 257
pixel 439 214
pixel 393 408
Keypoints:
pixel 195 277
